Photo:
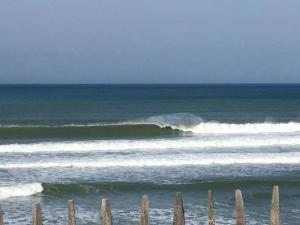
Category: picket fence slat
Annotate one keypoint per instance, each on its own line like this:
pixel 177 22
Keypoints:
pixel 37 214
pixel 178 217
pixel 211 210
pixel 1 217
pixel 145 210
pixel 71 213
pixel 106 212
pixel 239 208
pixel 275 207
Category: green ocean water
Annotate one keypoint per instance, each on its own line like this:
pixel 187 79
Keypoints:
pixel 87 142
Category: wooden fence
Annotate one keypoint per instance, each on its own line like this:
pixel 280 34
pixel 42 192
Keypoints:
pixel 178 217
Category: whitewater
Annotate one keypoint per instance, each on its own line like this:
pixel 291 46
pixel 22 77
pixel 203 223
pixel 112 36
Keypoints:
pixel 20 190
pixel 199 136
pixel 201 144
pixel 152 144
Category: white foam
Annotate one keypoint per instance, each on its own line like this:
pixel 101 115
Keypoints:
pixel 153 144
pixel 20 190
pixel 247 128
pixel 165 160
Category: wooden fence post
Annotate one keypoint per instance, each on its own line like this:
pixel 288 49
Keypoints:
pixel 239 208
pixel 211 210
pixel 37 214
pixel 145 210
pixel 178 218
pixel 275 207
pixel 106 212
pixel 1 217
pixel 71 213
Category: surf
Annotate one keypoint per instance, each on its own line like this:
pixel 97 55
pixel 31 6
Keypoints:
pixel 147 128
pixel 195 159
pixel 247 128
pixel 20 190
pixel 162 144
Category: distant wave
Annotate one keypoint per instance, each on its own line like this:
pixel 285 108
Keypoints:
pixel 154 126
pixel 20 190
pixel 158 120
pixel 86 132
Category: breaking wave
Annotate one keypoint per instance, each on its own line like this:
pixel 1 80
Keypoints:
pixel 247 128
pixel 205 159
pixel 20 190
pixel 154 126
pixel 152 144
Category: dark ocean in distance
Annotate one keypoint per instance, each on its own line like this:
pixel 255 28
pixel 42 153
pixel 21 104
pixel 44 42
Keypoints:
pixel 87 142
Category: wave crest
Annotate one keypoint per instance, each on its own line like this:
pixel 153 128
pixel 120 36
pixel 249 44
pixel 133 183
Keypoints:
pixel 20 190
pixel 153 126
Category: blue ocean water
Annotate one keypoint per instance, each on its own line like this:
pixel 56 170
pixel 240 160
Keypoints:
pixel 110 103
pixel 85 142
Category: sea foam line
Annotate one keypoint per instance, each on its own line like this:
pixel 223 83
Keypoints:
pixel 167 161
pixel 152 144
pixel 20 190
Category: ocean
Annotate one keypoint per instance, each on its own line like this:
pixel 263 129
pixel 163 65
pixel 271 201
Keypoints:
pixel 88 142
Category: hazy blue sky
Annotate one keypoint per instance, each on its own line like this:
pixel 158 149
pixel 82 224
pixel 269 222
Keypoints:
pixel 143 41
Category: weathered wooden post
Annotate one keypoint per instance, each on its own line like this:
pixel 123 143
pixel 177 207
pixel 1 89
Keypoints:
pixel 178 218
pixel 1 217
pixel 37 214
pixel 106 212
pixel 71 213
pixel 211 210
pixel 145 210
pixel 239 208
pixel 275 207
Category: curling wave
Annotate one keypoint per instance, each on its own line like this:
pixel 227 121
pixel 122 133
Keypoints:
pixel 143 130
pixel 154 126
pixel 88 131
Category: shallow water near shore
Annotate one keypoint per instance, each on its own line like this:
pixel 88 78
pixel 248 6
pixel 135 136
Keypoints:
pixel 87 142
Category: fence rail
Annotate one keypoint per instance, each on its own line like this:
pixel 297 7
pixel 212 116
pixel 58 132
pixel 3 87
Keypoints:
pixel 178 216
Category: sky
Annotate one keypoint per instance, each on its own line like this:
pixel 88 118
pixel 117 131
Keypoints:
pixel 143 41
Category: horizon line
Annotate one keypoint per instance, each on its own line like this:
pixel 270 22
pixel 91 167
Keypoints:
pixel 204 83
